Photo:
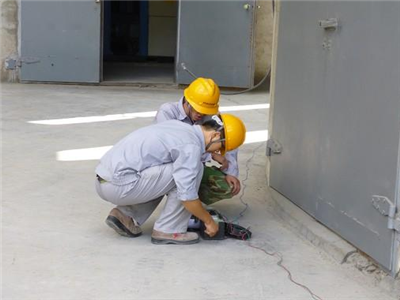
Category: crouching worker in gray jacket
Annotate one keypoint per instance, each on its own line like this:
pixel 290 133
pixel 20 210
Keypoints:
pixel 163 159
pixel 201 98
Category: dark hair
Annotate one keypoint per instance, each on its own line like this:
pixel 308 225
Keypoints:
pixel 209 123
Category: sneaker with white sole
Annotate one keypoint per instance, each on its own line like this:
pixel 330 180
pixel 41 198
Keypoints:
pixel 186 238
pixel 123 224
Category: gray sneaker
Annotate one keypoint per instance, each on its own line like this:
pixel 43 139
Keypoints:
pixel 187 238
pixel 123 224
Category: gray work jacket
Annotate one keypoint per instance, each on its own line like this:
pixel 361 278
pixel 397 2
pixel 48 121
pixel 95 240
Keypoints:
pixel 170 142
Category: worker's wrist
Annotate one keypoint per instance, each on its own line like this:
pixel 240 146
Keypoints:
pixel 208 220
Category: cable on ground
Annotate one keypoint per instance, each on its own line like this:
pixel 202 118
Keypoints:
pixel 290 276
pixel 274 253
pixel 246 205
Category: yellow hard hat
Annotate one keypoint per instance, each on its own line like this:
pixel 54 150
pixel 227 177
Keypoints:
pixel 234 132
pixel 203 95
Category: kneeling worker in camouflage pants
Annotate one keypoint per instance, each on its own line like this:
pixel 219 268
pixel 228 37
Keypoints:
pixel 163 159
pixel 200 99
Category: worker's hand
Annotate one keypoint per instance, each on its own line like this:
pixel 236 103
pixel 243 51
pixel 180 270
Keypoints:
pixel 221 160
pixel 196 208
pixel 211 227
pixel 234 183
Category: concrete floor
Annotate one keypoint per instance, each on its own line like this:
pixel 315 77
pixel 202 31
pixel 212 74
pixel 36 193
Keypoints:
pixel 138 72
pixel 57 246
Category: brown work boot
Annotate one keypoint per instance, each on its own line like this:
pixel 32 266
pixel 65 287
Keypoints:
pixel 187 238
pixel 123 224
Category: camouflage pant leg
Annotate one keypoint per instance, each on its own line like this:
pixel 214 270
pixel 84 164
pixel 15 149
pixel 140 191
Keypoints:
pixel 213 187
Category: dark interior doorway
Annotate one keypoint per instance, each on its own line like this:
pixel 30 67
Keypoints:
pixel 139 42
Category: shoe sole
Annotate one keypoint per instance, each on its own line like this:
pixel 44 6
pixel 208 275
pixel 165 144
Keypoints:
pixel 173 242
pixel 120 228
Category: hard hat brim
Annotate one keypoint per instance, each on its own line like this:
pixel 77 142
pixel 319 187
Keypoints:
pixel 231 144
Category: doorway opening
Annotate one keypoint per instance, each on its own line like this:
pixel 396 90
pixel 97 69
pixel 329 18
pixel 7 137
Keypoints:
pixel 139 41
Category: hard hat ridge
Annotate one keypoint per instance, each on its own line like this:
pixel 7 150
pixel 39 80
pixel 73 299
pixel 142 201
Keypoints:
pixel 203 95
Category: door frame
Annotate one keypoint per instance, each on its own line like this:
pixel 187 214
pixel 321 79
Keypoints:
pixel 396 240
pixel 275 33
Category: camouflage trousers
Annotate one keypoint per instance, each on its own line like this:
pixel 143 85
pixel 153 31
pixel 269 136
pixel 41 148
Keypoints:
pixel 213 187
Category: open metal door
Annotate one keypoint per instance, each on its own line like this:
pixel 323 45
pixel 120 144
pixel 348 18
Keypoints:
pixel 215 40
pixel 60 40
pixel 336 119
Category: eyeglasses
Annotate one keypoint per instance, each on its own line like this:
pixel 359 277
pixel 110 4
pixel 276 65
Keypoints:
pixel 222 138
pixel 223 143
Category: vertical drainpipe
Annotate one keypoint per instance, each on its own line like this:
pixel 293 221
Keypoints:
pixel 178 33
pixel 272 84
pixel 19 22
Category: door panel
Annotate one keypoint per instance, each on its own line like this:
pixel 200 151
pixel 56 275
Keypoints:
pixel 336 114
pixel 215 40
pixel 300 63
pixel 60 41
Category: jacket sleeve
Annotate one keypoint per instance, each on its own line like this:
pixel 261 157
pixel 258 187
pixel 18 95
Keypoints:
pixel 233 167
pixel 187 170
